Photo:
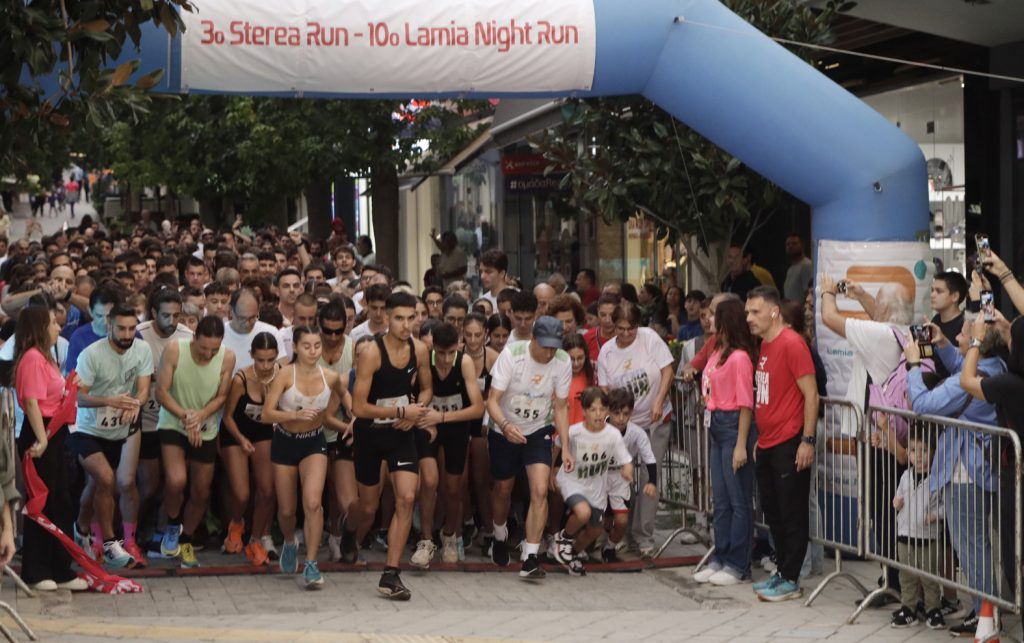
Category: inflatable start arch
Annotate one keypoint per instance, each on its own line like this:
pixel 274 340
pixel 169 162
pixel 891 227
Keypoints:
pixel 864 179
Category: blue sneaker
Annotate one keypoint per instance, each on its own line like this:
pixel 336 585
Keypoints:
pixel 771 581
pixel 169 543
pixel 289 561
pixel 311 574
pixel 784 590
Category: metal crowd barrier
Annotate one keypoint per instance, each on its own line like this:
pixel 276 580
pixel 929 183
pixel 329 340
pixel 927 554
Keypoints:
pixel 686 471
pixel 7 430
pixel 957 520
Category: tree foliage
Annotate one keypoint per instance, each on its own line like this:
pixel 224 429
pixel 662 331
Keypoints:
pixel 74 41
pixel 625 155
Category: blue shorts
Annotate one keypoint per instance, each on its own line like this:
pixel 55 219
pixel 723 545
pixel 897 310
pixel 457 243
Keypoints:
pixel 509 460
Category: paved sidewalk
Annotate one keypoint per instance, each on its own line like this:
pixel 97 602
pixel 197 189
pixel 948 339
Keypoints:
pixel 653 605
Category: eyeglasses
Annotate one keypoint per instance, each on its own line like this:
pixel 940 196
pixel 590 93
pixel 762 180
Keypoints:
pixel 332 331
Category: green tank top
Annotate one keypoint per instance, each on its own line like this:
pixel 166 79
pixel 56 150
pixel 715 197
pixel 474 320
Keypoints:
pixel 193 386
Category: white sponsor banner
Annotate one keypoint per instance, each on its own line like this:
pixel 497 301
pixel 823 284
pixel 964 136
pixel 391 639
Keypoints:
pixel 872 265
pixel 401 46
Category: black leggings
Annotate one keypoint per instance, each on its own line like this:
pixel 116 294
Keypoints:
pixel 43 557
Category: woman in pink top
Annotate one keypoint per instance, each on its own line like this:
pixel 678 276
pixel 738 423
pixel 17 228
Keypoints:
pixel 45 564
pixel 728 387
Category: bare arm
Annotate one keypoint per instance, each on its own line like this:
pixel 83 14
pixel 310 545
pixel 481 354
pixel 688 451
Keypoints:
pixel 830 315
pixel 218 400
pixel 1000 271
pixel 272 414
pixel 969 379
pixel 561 416
pixel 234 394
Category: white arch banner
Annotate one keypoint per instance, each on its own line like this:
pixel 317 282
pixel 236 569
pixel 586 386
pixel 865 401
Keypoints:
pixel 401 46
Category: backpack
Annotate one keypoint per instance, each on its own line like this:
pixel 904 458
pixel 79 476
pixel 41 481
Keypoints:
pixel 892 392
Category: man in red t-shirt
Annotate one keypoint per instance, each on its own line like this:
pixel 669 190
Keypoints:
pixel 786 410
pixel 586 287
pixel 605 330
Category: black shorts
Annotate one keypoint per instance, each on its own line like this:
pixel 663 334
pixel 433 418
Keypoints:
pixel 289 449
pixel 207 453
pixel 83 445
pixel 150 449
pixel 453 438
pixel 509 460
pixel 339 450
pixel 376 444
pixel 261 433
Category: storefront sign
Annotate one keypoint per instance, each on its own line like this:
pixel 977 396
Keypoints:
pixel 533 184
pixel 403 46
pixel 519 164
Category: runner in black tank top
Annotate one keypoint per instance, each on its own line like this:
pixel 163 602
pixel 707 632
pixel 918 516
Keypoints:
pixel 474 330
pixel 457 404
pixel 387 406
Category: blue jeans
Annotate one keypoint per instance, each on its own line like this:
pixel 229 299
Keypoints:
pixel 967 512
pixel 732 494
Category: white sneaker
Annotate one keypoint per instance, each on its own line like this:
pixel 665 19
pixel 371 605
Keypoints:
pixel 334 547
pixel 115 556
pixel 44 586
pixel 268 546
pixel 449 549
pixel 424 554
pixel 768 565
pixel 704 575
pixel 75 585
pixel 689 538
pixel 723 578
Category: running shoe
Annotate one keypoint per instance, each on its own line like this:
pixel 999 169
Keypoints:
pixel 188 555
pixel 349 546
pixel 255 553
pixel 532 569
pixel 784 590
pixel 469 531
pixel 647 553
pixel 562 548
pixel 425 550
pixel 334 547
pixel 289 562
pixel 311 574
pixel 380 540
pixel 934 619
pixel 575 567
pixel 771 581
pixel 115 557
pixel 85 542
pixel 268 546
pixel 169 545
pixel 904 617
pixel 449 549
pixel 391 586
pixel 135 551
pixel 499 553
pixel 969 627
pixel 233 543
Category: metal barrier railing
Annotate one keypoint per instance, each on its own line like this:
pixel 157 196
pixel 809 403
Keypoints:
pixel 943 507
pixel 686 473
pixel 7 431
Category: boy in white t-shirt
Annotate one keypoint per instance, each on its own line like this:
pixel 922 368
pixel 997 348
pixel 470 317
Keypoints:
pixel 594 445
pixel 620 406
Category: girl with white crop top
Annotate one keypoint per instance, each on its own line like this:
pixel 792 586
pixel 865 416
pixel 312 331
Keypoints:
pixel 301 400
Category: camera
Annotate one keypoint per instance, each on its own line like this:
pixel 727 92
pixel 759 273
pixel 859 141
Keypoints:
pixel 921 333
pixel 841 287
pixel 981 241
pixel 988 308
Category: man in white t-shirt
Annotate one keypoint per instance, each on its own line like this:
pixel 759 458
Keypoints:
pixel 244 326
pixel 376 313
pixel 344 266
pixel 529 393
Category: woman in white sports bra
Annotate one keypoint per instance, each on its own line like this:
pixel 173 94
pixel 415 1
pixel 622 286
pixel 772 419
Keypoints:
pixel 301 399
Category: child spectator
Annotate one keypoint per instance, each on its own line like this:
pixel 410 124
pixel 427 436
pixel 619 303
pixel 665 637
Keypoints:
pixel 620 405
pixel 918 527
pixel 594 444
